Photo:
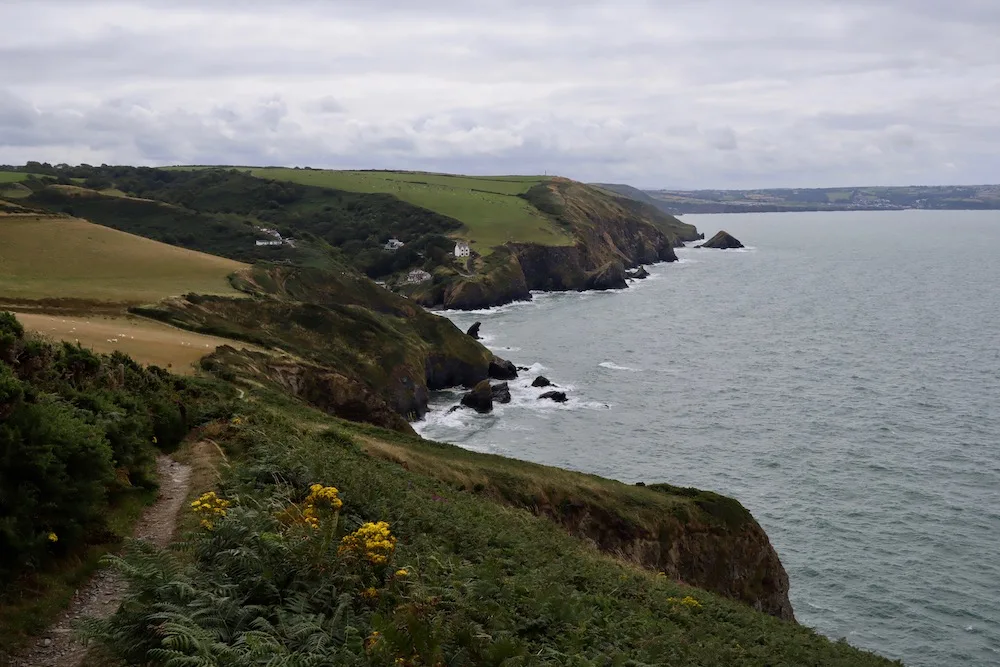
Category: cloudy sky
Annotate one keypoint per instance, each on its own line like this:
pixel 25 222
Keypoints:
pixel 678 94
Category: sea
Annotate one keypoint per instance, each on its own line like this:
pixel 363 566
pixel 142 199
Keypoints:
pixel 840 376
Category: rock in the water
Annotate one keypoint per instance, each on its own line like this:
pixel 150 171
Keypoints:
pixel 501 393
pixel 723 241
pixel 541 381
pixel 474 330
pixel 557 396
pixel 501 369
pixel 638 274
pixel 454 408
pixel 523 368
pixel 480 398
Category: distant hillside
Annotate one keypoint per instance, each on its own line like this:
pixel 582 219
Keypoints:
pixel 492 209
pixel 947 197
pixel 633 193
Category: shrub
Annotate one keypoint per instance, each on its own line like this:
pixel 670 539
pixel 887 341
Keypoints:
pixel 53 480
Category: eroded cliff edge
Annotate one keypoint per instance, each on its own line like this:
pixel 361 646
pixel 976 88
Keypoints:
pixel 701 538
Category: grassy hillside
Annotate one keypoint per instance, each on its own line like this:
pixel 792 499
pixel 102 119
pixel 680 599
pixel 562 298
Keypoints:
pixel 355 349
pixel 489 207
pixel 459 579
pixel 61 257
pixel 225 235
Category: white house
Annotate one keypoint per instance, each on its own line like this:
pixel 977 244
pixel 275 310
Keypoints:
pixel 268 243
pixel 462 249
pixel 394 244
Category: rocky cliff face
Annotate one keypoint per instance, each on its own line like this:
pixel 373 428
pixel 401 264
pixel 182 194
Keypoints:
pixel 716 545
pixel 613 234
pixel 735 560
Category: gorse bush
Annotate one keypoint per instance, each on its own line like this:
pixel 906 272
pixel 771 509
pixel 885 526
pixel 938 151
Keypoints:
pixel 76 430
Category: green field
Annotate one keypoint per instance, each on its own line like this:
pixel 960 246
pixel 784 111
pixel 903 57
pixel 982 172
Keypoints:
pixel 12 176
pixel 49 257
pixel 488 206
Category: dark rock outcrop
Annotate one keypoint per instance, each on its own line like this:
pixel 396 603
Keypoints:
pixel 501 393
pixel 480 398
pixel 609 276
pixel 722 241
pixel 501 369
pixel 474 330
pixel 557 396
pixel 639 274
pixel 541 381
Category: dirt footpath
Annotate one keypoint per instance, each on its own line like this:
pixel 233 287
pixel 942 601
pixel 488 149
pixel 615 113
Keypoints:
pixel 101 595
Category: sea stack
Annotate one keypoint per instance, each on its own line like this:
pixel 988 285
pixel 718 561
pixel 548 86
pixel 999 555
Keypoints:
pixel 474 330
pixel 722 241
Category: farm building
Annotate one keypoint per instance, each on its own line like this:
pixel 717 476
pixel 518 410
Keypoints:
pixel 268 242
pixel 393 244
pixel 462 249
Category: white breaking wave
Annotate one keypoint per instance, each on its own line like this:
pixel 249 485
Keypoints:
pixel 615 367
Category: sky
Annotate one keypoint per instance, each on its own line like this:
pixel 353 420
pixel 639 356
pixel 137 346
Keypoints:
pixel 682 94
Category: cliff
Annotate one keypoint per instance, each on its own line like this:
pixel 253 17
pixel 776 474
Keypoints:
pixel 334 339
pixel 613 233
pixel 698 537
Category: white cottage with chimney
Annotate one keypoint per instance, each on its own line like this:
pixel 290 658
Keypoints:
pixel 462 249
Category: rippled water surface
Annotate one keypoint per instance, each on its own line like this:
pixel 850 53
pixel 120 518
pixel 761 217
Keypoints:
pixel 841 377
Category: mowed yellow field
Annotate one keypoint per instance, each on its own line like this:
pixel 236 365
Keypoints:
pixel 146 341
pixel 54 257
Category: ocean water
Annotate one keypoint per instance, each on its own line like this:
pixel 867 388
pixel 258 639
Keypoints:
pixel 840 377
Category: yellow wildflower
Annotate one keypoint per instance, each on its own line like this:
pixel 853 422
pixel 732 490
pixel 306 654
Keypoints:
pixel 687 601
pixel 210 505
pixel 402 573
pixel 373 541
pixel 53 537
pixel 369 593
pixel 324 495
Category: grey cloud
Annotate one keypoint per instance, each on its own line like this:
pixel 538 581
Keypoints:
pixel 710 93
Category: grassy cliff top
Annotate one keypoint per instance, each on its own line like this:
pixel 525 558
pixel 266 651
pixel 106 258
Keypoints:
pixel 489 207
